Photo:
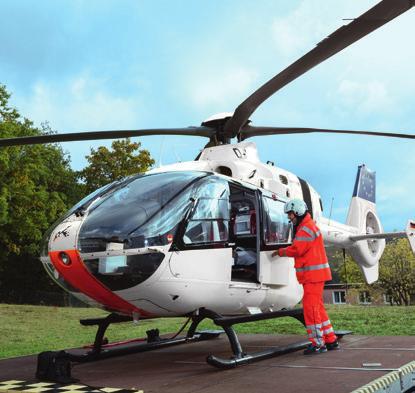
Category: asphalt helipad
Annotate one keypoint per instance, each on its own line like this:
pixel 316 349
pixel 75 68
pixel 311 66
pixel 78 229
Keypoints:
pixel 183 368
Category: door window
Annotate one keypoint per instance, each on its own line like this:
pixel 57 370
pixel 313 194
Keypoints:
pixel 209 221
pixel 277 227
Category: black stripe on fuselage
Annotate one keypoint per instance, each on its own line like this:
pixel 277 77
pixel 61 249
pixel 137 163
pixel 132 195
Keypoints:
pixel 306 195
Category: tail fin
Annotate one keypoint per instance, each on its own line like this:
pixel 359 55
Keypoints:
pixel 363 216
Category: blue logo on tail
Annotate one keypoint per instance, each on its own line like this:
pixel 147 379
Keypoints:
pixel 365 186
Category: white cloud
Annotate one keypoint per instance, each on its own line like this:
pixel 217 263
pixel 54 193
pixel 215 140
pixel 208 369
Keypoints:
pixel 206 91
pixel 366 78
pixel 77 86
pixel 398 189
pixel 310 22
pixel 80 103
pixel 364 97
pixel 294 32
pixel 394 194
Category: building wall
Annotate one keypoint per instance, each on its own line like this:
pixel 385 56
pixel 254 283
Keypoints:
pixel 338 294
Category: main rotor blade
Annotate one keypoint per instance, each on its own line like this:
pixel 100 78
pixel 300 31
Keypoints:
pixel 346 35
pixel 250 131
pixel 95 135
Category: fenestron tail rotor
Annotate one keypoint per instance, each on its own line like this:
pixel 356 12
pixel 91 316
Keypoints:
pixel 371 20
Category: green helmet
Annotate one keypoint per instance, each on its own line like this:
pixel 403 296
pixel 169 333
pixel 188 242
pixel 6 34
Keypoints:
pixel 297 206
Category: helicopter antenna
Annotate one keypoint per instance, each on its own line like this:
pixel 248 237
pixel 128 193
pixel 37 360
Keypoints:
pixel 175 151
pixel 331 209
pixel 161 152
pixel 176 155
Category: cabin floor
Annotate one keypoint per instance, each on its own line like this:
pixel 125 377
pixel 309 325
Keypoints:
pixel 183 368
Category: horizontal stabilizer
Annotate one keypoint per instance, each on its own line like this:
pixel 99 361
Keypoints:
pixel 409 233
pixel 388 236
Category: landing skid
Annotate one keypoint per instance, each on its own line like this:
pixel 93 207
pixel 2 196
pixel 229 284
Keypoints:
pixel 226 323
pixel 239 356
pixel 55 366
pixel 154 341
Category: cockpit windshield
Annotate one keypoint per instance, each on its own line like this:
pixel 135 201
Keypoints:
pixel 143 212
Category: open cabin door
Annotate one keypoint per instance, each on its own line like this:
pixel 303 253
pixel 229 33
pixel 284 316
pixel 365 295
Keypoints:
pixel 244 234
pixel 276 232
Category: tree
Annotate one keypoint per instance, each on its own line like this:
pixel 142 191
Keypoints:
pixel 396 273
pixel 336 260
pixel 37 185
pixel 106 165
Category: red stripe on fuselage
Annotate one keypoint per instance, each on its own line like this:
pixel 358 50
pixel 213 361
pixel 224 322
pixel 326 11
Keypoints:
pixel 79 277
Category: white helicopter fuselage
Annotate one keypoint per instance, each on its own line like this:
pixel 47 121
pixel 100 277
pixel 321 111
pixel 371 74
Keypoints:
pixel 210 276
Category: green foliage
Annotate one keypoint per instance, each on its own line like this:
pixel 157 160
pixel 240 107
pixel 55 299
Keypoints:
pixel 349 271
pixel 396 273
pixel 106 165
pixel 37 185
pixel 336 260
pixel 7 114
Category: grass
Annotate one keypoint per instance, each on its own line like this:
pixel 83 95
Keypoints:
pixel 28 330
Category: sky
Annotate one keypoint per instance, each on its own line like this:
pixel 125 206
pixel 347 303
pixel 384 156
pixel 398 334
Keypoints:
pixel 88 65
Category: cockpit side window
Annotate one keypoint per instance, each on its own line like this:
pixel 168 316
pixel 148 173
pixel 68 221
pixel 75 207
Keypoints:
pixel 210 222
pixel 143 212
pixel 277 228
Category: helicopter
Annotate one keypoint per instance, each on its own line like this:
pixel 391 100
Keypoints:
pixel 195 238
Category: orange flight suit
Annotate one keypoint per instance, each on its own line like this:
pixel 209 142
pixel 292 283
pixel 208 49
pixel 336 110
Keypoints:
pixel 312 270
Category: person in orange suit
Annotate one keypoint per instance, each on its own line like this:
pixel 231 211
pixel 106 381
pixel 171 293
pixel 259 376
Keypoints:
pixel 312 270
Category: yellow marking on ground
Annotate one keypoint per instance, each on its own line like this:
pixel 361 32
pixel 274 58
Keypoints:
pixel 76 391
pixel 8 387
pixel 41 384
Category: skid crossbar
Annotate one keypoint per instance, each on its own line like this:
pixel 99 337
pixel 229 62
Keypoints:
pixel 239 356
pixel 153 341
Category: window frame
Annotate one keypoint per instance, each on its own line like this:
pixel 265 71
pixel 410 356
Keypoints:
pixel 365 301
pixel 179 244
pixel 340 296
pixel 264 245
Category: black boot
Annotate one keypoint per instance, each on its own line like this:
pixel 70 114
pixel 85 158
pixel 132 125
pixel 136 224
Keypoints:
pixel 315 350
pixel 332 346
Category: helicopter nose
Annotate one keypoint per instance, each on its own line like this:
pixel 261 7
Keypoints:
pixel 71 267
